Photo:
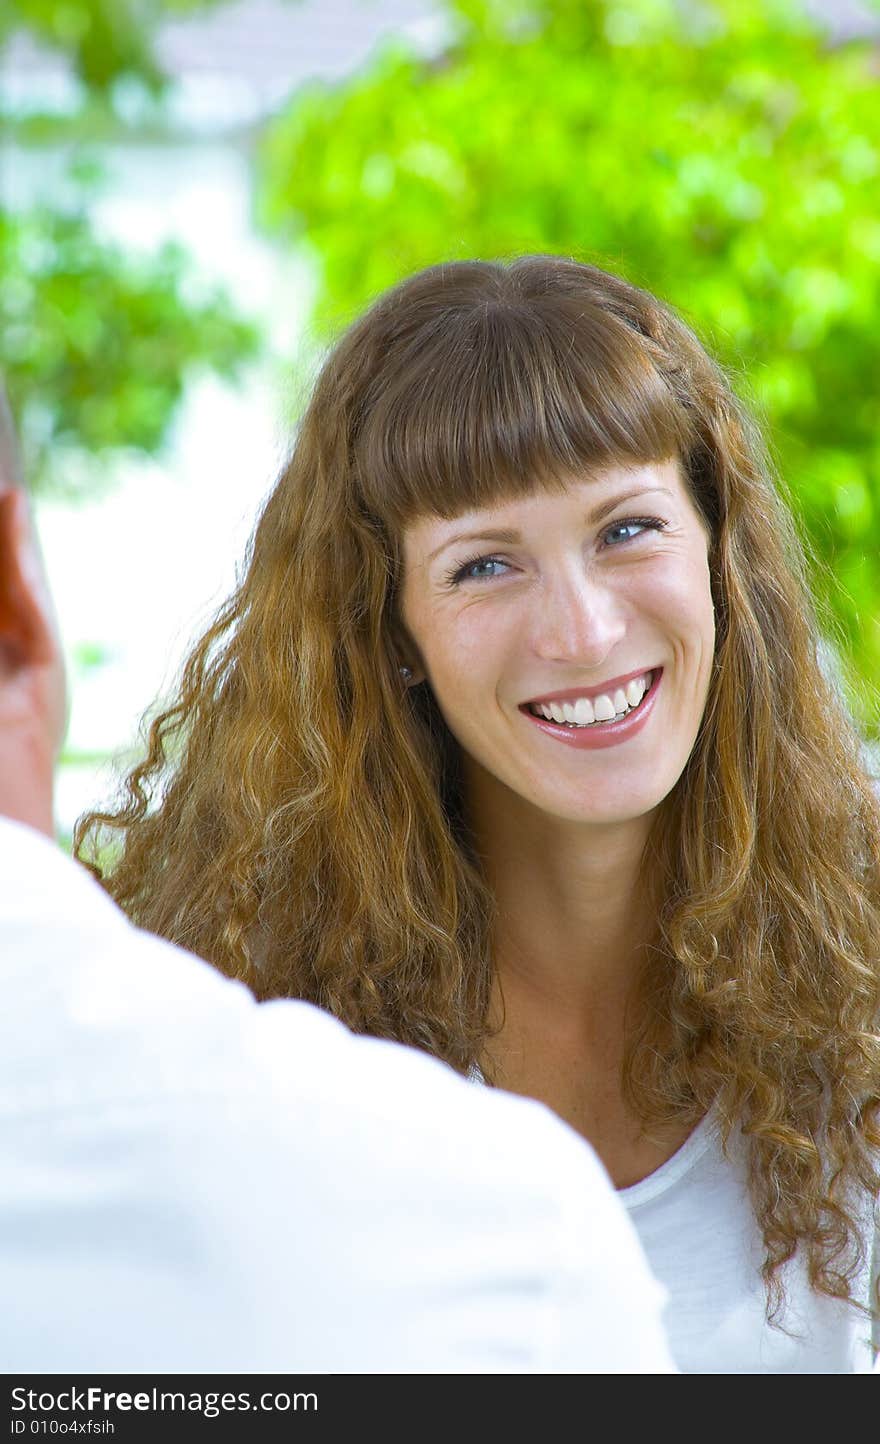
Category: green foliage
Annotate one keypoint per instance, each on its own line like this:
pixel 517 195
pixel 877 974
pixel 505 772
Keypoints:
pixel 104 39
pixel 721 154
pixel 96 345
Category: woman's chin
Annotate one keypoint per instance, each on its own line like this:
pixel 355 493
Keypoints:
pixel 596 811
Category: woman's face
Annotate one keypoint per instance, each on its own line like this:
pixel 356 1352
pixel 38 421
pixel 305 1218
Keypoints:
pixel 564 604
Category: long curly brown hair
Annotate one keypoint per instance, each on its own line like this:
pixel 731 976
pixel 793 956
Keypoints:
pixel 298 818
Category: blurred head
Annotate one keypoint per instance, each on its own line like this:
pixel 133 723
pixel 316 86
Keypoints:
pixel 32 692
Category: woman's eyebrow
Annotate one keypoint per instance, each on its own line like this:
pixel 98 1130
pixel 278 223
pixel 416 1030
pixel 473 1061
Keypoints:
pixel 510 537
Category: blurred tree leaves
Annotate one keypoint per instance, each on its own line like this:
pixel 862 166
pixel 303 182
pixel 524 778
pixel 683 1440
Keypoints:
pixel 720 152
pixel 104 40
pixel 96 344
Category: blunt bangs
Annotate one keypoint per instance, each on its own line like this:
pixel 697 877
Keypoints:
pixel 495 383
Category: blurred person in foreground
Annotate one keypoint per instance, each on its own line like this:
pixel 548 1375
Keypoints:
pixel 193 1182
pixel 514 743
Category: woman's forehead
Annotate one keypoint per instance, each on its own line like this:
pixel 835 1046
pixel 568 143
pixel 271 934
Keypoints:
pixel 593 496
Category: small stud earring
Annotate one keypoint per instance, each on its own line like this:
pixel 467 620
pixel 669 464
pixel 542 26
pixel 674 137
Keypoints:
pixel 406 673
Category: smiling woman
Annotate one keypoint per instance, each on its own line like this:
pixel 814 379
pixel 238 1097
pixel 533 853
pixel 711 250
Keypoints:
pixel 514 744
pixel 584 601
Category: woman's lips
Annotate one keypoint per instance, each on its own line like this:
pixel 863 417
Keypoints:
pixel 602 734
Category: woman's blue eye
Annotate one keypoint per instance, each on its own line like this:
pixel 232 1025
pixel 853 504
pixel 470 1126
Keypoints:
pixel 622 526
pixel 468 571
pixel 642 523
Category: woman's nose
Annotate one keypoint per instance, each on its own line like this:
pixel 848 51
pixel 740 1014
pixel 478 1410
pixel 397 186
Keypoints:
pixel 576 620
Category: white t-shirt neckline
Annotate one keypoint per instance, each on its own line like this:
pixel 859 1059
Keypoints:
pixel 669 1172
pixel 674 1168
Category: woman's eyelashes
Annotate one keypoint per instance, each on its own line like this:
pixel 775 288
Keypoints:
pixel 646 523
pixel 466 571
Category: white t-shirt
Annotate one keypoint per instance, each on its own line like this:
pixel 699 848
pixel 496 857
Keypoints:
pixel 697 1226
pixel 193 1182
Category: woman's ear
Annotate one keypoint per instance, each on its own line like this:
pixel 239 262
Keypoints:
pixel 407 655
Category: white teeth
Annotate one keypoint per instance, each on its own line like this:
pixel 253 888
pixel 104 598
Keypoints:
pixel 635 690
pixel 583 712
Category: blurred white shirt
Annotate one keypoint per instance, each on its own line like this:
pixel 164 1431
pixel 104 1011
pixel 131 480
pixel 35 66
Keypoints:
pixel 196 1183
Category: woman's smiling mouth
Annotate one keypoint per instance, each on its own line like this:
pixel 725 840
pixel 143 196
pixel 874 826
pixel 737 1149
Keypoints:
pixel 597 718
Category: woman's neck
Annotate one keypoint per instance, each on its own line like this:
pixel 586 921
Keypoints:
pixel 572 916
pixel 573 926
